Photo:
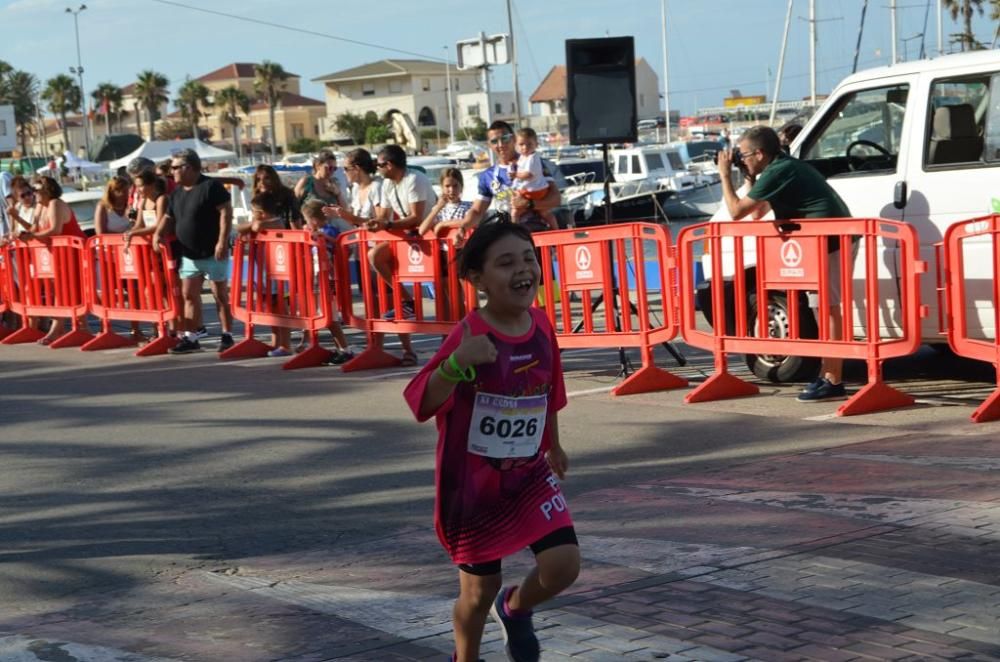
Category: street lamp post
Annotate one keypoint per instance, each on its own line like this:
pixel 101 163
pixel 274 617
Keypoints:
pixel 447 82
pixel 78 70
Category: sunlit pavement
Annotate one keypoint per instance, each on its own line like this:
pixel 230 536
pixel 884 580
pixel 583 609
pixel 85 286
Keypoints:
pixel 182 508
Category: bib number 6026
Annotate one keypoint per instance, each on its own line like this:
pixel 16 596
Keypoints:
pixel 508 429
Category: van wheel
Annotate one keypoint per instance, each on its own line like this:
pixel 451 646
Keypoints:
pixel 782 368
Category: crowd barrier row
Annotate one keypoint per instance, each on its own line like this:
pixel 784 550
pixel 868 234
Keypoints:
pixel 623 285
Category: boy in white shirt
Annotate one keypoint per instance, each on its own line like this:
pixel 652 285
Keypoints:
pixel 529 180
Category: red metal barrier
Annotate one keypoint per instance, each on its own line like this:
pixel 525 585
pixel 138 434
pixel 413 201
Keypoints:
pixel 45 278
pixel 613 264
pixel 797 261
pixel 975 242
pixel 281 278
pixel 135 285
pixel 4 294
pixel 419 262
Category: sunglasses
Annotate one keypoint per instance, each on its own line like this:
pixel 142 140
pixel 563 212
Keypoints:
pixel 505 138
pixel 178 167
pixel 381 164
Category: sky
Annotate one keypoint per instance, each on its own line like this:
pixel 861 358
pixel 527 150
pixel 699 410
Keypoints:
pixel 714 46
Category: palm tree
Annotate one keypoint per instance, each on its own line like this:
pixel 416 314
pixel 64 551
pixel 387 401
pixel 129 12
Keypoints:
pixel 191 98
pixel 151 91
pixel 966 9
pixel 108 100
pixel 995 16
pixel 20 91
pixel 63 95
pixel 232 100
pixel 269 82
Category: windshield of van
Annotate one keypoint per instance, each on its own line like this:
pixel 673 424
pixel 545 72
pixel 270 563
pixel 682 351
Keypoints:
pixel 862 133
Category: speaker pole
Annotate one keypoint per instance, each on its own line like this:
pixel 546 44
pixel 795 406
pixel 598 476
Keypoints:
pixel 607 185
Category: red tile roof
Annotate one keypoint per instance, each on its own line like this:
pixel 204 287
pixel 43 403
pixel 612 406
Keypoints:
pixel 233 71
pixel 552 87
pixel 288 100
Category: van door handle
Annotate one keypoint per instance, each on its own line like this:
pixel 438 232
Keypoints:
pixel 899 195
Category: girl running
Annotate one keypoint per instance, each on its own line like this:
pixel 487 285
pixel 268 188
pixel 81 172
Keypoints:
pixel 495 387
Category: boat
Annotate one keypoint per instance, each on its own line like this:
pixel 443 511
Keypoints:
pixel 639 200
pixel 695 195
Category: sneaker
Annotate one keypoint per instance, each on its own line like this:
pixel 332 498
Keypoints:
pixel 279 351
pixel 225 342
pixel 454 656
pixel 408 312
pixel 519 637
pixel 339 357
pixel 185 346
pixel 201 332
pixel 825 391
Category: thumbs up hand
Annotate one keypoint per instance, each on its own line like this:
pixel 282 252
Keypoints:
pixel 474 350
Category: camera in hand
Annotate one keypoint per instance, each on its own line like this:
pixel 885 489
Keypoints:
pixel 133 214
pixel 734 156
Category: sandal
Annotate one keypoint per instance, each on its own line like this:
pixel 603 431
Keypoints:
pixel 45 340
pixel 409 359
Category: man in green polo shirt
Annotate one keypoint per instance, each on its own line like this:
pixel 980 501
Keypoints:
pixel 792 189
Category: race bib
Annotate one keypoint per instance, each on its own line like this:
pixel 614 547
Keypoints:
pixel 504 427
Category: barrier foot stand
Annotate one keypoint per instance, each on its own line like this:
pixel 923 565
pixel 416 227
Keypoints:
pixel 23 335
pixel 310 358
pixel 371 358
pixel 4 331
pixel 721 386
pixel 648 379
pixel 158 345
pixel 989 410
pixel 106 340
pixel 250 348
pixel 75 338
pixel 874 396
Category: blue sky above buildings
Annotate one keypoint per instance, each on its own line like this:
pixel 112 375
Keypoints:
pixel 714 45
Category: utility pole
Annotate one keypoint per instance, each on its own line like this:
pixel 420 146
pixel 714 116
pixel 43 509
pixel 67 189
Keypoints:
pixel 79 72
pixel 447 79
pixel 513 64
pixel 940 30
pixel 812 53
pixel 666 70
pixel 861 29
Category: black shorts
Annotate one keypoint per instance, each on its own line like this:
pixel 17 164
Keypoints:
pixel 563 536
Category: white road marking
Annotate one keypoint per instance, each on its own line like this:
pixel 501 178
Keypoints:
pixel 20 648
pixel 426 620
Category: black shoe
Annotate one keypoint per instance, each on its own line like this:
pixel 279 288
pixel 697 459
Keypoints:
pixel 225 342
pixel 519 637
pixel 185 346
pixel 201 332
pixel 826 390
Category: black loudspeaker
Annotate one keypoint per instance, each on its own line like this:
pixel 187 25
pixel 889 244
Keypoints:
pixel 600 90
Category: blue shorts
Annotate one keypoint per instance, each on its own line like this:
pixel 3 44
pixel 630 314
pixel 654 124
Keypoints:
pixel 210 268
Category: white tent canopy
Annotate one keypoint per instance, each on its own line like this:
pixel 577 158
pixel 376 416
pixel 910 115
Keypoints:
pixel 73 163
pixel 157 150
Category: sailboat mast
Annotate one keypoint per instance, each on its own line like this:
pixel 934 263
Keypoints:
pixel 892 22
pixel 781 64
pixel 666 93
pixel 861 29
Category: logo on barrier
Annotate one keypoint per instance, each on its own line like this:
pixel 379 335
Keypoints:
pixel 791 257
pixel 278 259
pixel 126 263
pixel 43 263
pixel 415 259
pixel 584 264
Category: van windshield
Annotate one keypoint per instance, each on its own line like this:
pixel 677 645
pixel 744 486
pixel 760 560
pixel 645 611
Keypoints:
pixel 862 133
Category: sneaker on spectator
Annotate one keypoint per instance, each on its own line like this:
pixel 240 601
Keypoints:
pixel 339 357
pixel 279 351
pixel 185 346
pixel 408 312
pixel 200 333
pixel 813 385
pixel 225 342
pixel 519 638
pixel 825 391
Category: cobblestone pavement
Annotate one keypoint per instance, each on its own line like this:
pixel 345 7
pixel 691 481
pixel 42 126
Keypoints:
pixel 885 546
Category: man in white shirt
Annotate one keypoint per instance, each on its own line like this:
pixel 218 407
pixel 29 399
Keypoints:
pixel 405 199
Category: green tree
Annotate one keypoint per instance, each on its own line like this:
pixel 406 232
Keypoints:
pixel 231 101
pixel 378 133
pixel 965 9
pixel 62 95
pixel 108 101
pixel 172 129
pixel 304 145
pixel 192 98
pixel 20 89
pixel 475 131
pixel 151 91
pixel 353 126
pixel 269 82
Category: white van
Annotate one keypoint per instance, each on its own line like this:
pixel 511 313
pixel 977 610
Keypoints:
pixel 917 142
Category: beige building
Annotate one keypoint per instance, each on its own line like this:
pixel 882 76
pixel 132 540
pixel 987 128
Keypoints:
pixel 54 142
pixel 296 116
pixel 415 88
